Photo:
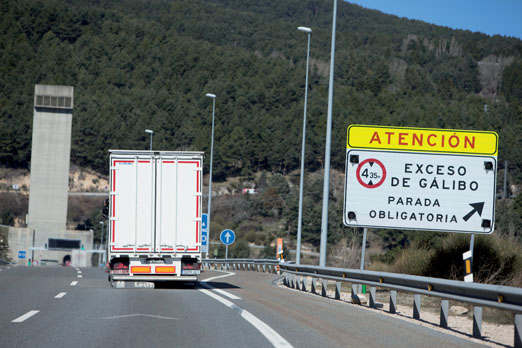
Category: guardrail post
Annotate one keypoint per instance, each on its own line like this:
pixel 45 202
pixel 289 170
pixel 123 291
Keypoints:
pixel 264 268
pixel 337 290
pixel 248 267
pixel 257 268
pixel 372 297
pixel 477 322
pixel 393 301
pixel 270 269
pixel 354 290
pixel 444 309
pixel 215 266
pixel 285 279
pixel 518 331
pixel 416 306
pixel 324 284
pixel 313 287
pixel 303 283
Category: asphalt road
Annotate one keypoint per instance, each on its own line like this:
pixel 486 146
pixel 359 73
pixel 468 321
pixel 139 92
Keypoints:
pixel 54 307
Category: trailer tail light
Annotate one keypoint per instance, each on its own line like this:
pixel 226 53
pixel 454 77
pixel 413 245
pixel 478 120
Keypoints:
pixel 120 268
pixel 140 269
pixel 190 267
pixel 166 269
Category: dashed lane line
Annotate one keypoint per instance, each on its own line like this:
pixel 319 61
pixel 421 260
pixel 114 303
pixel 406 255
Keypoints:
pixel 74 283
pixel 24 317
pixel 60 295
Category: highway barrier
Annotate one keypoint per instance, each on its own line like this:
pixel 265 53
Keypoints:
pixel 479 295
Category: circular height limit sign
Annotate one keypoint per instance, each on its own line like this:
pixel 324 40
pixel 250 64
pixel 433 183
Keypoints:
pixel 371 173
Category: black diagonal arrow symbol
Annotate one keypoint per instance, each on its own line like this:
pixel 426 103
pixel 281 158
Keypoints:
pixel 477 207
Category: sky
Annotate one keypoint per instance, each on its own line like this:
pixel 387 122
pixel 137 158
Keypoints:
pixel 503 17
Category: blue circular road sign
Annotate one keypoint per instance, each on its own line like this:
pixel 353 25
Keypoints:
pixel 227 237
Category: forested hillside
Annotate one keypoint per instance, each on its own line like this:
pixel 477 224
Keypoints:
pixel 147 64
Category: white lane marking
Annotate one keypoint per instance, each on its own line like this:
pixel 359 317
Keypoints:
pixel 80 276
pixel 74 283
pixel 79 272
pixel 24 317
pixel 141 315
pixel 270 334
pixel 227 294
pixel 222 292
pixel 228 274
pixel 60 295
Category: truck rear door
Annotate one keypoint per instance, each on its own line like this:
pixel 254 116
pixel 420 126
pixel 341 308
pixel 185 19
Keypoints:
pixel 178 204
pixel 132 203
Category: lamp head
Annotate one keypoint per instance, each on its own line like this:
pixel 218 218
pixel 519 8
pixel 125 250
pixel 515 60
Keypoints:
pixel 305 29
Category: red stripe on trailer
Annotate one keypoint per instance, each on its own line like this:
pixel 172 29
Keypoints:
pixel 113 200
pixel 197 216
pixel 167 249
pixel 143 249
pixel 143 161
pixel 169 161
pixel 114 248
pixel 197 204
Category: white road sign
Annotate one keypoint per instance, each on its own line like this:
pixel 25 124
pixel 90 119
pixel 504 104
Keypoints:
pixel 420 191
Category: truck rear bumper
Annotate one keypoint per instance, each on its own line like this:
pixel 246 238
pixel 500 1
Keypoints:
pixel 152 278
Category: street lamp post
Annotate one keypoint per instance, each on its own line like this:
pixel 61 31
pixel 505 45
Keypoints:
pixel 150 132
pixel 213 96
pixel 300 216
pixel 326 184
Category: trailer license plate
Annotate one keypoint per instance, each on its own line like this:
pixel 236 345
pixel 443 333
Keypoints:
pixel 190 272
pixel 148 285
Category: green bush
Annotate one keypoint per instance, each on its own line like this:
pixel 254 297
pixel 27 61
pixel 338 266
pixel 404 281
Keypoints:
pixel 496 260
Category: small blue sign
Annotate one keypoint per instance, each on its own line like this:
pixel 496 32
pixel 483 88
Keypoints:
pixel 204 222
pixel 204 241
pixel 204 233
pixel 227 237
pixel 21 254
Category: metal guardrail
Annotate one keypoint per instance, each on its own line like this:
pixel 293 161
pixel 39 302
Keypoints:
pixel 480 295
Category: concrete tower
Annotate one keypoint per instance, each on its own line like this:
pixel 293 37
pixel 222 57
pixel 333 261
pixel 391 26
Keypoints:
pixel 50 157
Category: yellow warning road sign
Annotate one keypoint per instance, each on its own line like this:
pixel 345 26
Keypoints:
pixel 422 140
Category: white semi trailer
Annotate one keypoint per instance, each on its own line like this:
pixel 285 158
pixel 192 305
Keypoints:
pixel 154 215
